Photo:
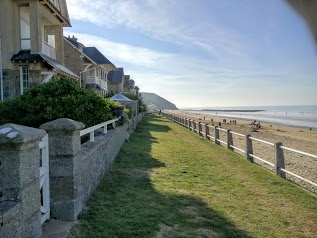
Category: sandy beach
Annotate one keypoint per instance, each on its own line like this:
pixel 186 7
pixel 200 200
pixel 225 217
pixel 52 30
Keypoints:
pixel 296 138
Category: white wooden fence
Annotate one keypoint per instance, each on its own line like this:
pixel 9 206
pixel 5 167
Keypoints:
pixel 91 130
pixel 279 164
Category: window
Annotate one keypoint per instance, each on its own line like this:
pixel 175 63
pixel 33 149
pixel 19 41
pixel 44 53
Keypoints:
pixel 24 78
pixel 25 28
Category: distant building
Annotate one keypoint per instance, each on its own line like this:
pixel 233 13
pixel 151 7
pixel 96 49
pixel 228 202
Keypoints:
pixel 115 81
pixel 32 50
pixel 89 63
pixel 129 85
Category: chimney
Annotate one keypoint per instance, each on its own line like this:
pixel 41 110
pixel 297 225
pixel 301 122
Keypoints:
pixel 73 38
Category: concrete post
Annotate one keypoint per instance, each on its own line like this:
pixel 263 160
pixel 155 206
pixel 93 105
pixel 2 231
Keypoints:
pixel 248 148
pixel 207 132
pixel 216 135
pixel 279 160
pixel 199 128
pixel 229 140
pixel 20 200
pixel 64 143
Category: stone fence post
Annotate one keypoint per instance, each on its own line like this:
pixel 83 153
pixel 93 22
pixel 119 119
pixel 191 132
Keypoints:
pixel 279 160
pixel 248 148
pixel 207 131
pixel 20 200
pixel 64 143
pixel 216 135
pixel 229 140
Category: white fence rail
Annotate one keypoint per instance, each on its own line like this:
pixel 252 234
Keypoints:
pixel 91 130
pixel 279 165
pixel 44 180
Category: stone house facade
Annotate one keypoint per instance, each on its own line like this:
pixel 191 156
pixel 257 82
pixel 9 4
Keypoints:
pixel 32 50
pixel 89 63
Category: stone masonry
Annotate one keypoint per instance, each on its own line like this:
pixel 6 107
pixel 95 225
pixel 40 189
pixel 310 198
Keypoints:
pixel 20 200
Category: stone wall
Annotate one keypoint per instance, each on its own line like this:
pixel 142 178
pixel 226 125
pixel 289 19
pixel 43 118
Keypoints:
pixel 20 200
pixel 73 59
pixel 11 82
pixel 75 172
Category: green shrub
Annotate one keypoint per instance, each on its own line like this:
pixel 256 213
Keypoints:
pixel 62 98
pixel 128 111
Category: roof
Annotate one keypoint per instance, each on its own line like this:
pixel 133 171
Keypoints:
pixel 59 8
pixel 120 98
pixel 129 82
pixel 72 41
pixel 26 56
pixel 115 76
pixel 96 55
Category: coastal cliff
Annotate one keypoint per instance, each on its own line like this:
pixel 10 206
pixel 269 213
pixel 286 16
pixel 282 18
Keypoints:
pixel 154 101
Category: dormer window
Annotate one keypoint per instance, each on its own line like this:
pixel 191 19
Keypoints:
pixel 25 31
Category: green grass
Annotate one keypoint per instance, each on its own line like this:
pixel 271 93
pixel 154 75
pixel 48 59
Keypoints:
pixel 169 182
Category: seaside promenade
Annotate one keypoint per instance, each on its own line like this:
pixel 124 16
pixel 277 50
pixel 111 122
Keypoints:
pixel 170 182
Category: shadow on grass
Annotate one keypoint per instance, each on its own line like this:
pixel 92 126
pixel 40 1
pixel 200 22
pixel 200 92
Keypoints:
pixel 127 203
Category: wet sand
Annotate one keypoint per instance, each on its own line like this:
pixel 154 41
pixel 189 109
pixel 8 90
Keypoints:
pixel 293 137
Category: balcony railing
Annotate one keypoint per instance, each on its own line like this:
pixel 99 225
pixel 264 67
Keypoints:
pixel 48 50
pixel 96 80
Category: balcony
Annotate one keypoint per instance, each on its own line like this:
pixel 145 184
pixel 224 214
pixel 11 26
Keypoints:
pixel 96 81
pixel 48 50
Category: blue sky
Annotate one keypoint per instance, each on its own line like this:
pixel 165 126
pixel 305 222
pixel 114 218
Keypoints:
pixel 204 53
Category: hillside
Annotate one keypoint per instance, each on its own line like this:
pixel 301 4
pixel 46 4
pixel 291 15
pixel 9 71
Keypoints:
pixel 155 101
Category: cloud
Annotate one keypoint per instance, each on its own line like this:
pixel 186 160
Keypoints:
pixel 214 59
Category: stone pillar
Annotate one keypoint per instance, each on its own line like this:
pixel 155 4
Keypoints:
pixel 20 200
pixel 229 140
pixel 64 143
pixel 207 132
pixel 248 148
pixel 279 160
pixel 216 135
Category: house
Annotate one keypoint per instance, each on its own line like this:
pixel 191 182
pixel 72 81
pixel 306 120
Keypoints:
pixel 115 81
pixel 89 63
pixel 129 85
pixel 32 50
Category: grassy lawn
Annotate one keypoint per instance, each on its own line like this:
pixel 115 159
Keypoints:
pixel 169 182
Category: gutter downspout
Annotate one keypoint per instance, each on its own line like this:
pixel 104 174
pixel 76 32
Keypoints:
pixel 1 74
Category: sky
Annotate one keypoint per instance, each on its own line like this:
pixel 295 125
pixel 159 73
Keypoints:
pixel 204 53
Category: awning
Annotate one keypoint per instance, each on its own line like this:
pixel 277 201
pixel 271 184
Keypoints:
pixel 120 98
pixel 26 56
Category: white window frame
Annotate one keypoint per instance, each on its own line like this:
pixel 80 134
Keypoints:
pixel 25 33
pixel 24 78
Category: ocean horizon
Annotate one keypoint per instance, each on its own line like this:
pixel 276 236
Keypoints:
pixel 296 116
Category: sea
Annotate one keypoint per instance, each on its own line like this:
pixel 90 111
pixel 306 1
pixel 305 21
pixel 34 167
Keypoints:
pixel 296 116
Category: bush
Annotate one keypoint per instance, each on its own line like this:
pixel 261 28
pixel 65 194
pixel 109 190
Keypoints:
pixel 62 98
pixel 128 112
